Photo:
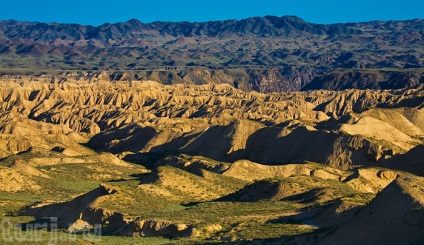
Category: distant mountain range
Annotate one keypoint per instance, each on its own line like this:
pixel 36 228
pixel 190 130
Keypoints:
pixel 267 54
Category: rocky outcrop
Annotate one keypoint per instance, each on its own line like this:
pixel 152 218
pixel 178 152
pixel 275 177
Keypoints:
pixel 154 228
pixel 14 180
pixel 398 207
pixel 345 79
pixel 340 129
pixel 82 214
pixel 252 171
pixel 77 210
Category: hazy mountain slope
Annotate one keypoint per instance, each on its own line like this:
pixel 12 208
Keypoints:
pixel 266 54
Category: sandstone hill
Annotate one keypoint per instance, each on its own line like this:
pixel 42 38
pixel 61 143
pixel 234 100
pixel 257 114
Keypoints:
pixel 211 163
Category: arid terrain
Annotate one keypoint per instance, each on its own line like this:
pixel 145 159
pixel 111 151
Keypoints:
pixel 266 130
pixel 264 54
pixel 154 163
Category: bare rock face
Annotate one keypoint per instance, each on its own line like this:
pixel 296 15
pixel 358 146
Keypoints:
pixel 159 150
pixel 287 80
pixel 79 225
pixel 13 181
pixel 16 146
pixel 252 171
pixel 340 129
pixel 83 213
pixel 341 80
pixel 78 210
pixel 26 168
pixel 337 214
pixel 153 228
pixel 398 207
pixel 387 175
pixel 411 161
pixel 375 152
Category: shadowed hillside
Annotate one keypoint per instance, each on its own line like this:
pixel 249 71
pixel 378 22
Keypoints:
pixel 152 163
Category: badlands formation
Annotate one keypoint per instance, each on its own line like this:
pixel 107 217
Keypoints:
pixel 154 163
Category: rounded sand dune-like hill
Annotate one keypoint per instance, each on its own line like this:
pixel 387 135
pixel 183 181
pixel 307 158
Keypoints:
pixel 172 155
pixel 341 129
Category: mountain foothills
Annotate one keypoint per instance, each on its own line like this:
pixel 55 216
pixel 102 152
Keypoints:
pixel 265 54
pixel 265 130
pixel 155 164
